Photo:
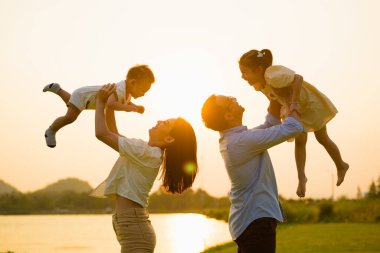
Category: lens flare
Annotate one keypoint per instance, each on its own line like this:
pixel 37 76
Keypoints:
pixel 189 167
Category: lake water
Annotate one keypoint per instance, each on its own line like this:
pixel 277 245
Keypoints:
pixel 176 233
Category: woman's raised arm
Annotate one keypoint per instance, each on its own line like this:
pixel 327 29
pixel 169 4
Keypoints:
pixel 102 132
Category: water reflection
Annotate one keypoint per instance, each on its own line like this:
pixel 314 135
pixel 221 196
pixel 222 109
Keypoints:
pixel 184 233
pixel 188 233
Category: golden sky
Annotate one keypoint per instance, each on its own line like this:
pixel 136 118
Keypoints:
pixel 193 48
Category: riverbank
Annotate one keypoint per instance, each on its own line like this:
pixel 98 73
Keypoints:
pixel 320 238
pixel 185 233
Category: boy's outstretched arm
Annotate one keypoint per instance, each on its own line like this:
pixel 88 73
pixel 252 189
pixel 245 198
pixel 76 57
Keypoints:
pixel 137 108
pixel 115 105
pixel 101 130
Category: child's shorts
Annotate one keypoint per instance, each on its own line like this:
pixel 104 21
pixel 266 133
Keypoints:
pixel 84 98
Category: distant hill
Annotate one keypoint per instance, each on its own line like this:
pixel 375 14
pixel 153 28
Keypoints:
pixel 68 184
pixel 6 188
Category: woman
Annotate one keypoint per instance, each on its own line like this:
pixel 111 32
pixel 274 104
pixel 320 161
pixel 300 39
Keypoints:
pixel 171 146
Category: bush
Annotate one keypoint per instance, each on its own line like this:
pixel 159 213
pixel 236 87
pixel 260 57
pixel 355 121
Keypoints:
pixel 326 212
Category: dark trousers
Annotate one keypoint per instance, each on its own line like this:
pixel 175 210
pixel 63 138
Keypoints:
pixel 258 237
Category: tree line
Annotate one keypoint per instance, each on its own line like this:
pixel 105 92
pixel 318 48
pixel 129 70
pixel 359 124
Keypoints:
pixel 74 202
pixel 365 208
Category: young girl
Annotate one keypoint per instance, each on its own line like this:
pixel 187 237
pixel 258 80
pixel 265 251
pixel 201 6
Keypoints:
pixel 138 81
pixel 172 146
pixel 282 85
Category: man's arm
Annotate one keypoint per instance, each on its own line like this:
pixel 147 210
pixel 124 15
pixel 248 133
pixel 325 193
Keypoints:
pixel 258 140
pixel 101 130
pixel 270 121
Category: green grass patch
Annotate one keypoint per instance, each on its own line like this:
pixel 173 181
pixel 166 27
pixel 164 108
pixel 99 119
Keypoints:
pixel 321 238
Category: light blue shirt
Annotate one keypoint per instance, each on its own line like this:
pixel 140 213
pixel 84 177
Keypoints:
pixel 254 192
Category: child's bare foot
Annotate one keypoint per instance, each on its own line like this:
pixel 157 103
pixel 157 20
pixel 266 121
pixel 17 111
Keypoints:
pixel 341 173
pixel 301 189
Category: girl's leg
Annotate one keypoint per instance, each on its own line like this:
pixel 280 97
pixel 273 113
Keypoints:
pixel 71 115
pixel 331 148
pixel 300 155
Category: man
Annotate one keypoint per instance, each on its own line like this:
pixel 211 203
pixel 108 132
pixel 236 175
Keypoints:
pixel 255 208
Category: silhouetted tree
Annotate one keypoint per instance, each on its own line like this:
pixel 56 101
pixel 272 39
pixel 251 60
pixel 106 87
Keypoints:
pixel 372 191
pixel 359 194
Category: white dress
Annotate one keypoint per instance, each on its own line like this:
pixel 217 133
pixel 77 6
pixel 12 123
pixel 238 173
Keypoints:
pixel 316 108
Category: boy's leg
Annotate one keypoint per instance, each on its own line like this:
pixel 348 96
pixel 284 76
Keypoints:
pixel 300 155
pixel 259 236
pixel 56 88
pixel 71 115
pixel 333 150
pixel 64 95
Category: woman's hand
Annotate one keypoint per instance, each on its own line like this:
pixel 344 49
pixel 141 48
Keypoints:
pixel 106 91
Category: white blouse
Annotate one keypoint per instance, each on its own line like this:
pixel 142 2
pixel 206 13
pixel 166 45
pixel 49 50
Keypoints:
pixel 134 172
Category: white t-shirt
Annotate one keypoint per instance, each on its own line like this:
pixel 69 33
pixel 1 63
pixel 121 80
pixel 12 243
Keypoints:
pixel 85 97
pixel 134 172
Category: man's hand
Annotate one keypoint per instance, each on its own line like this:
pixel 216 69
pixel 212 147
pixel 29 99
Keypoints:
pixel 105 92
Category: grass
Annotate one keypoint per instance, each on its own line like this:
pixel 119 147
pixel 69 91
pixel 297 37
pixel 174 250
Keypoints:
pixel 321 238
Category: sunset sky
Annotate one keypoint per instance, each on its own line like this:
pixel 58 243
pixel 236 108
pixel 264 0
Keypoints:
pixel 193 48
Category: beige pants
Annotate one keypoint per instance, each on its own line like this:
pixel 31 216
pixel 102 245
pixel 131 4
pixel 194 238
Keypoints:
pixel 134 231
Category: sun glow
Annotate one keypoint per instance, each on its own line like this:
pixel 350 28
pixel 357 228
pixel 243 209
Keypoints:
pixel 186 77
